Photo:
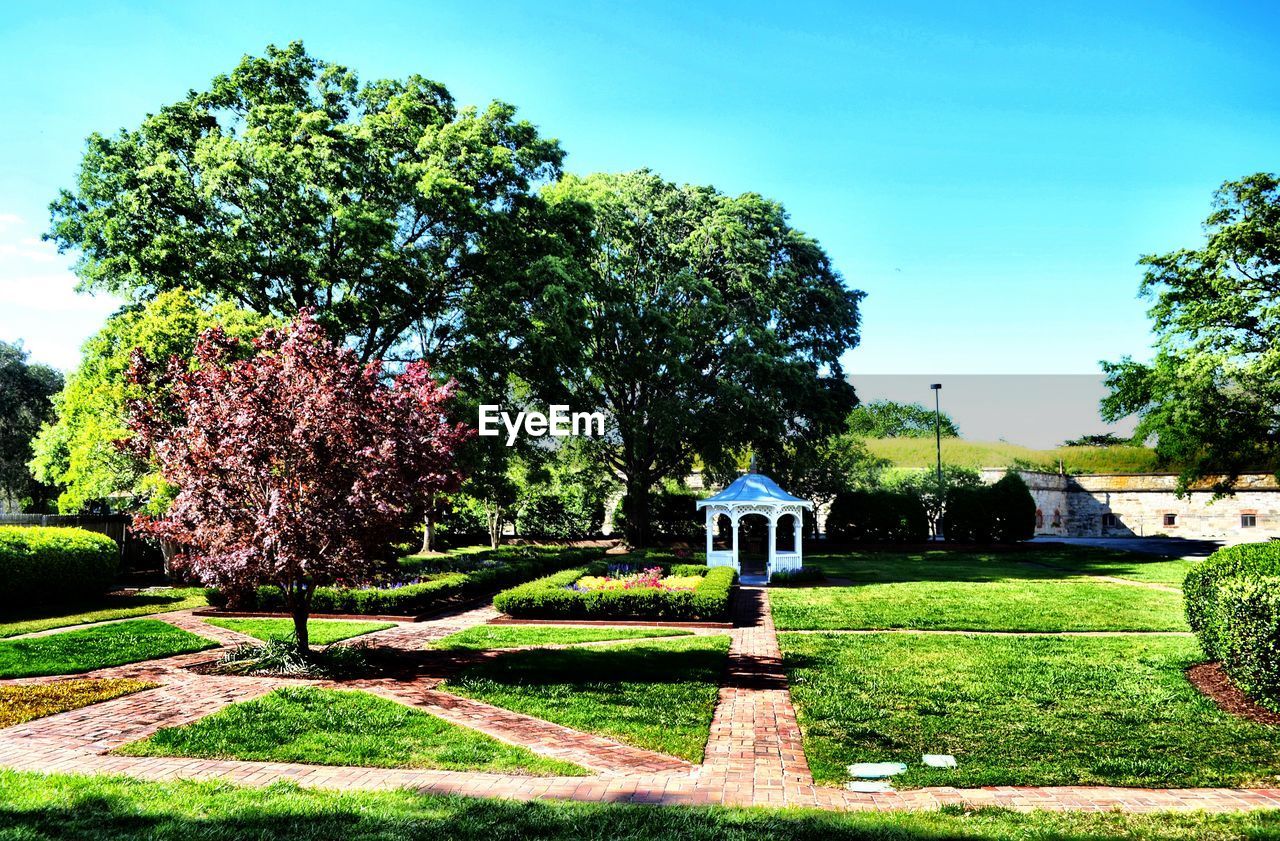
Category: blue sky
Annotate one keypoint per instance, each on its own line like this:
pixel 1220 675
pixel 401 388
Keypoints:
pixel 987 173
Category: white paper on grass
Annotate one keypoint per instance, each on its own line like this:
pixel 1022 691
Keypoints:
pixel 876 770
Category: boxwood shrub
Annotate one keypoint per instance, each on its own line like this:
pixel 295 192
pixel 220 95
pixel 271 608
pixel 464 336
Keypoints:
pixel 551 598
pixel 438 581
pixel 1248 643
pixel 1200 587
pixel 54 564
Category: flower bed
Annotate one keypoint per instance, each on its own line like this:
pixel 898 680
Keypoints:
pixel 427 584
pixel 663 597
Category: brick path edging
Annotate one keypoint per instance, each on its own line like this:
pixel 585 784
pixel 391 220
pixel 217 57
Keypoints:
pixel 754 754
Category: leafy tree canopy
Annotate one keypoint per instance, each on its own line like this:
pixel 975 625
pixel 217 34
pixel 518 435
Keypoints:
pixel 699 322
pixel 890 419
pixel 79 451
pixel 1104 439
pixel 1211 394
pixel 296 464
pixel 289 184
pixel 26 401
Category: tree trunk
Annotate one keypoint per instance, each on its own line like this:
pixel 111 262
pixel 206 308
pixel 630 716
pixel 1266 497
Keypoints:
pixel 428 536
pixel 494 517
pixel 299 603
pixel 636 527
pixel 300 630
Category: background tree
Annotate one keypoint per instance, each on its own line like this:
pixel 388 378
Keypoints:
pixel 889 419
pixel 1104 439
pixel 698 322
pixel 1211 395
pixel 78 451
pixel 26 401
pixel 296 466
pixel 289 184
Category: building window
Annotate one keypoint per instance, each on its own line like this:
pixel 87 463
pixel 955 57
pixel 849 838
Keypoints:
pixel 1039 519
pixel 1170 519
pixel 1110 521
pixel 1248 521
pixel 1057 519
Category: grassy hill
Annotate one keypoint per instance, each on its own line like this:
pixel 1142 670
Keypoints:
pixel 920 452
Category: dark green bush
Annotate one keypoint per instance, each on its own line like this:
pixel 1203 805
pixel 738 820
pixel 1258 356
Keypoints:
pixel 1201 586
pixel 442 580
pixel 551 598
pixel 1248 635
pixel 1003 512
pixel 53 564
pixel 877 516
pixel 792 577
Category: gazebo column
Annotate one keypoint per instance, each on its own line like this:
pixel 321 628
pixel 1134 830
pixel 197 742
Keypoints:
pixel 799 538
pixel 773 546
pixel 711 533
pixel 734 546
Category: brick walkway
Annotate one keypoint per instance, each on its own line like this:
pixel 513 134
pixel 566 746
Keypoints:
pixel 754 754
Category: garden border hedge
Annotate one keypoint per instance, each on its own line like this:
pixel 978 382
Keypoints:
pixel 447 579
pixel 52 564
pixel 550 598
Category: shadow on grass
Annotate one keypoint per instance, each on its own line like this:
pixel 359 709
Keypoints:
pixel 594 666
pixel 139 810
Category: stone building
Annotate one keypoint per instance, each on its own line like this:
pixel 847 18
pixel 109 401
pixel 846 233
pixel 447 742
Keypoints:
pixel 1146 504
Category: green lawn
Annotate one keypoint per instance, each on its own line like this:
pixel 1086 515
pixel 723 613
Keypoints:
pixel 920 452
pixel 1020 711
pixel 115 644
pixel 656 695
pixel 330 727
pixel 971 591
pixel 155 600
pixel 34 807
pixel 483 637
pixel 320 631
pixel 1135 566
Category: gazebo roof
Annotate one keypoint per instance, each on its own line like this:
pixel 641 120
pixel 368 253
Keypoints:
pixel 753 489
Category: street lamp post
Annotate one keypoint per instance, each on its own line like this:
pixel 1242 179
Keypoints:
pixel 937 437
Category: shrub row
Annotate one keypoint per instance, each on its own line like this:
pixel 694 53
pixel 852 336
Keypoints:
pixel 1002 513
pixel 54 564
pixel 443 579
pixel 551 598
pixel 1233 604
pixel 877 516
pixel 791 577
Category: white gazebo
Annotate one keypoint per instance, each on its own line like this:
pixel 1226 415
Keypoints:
pixel 754 493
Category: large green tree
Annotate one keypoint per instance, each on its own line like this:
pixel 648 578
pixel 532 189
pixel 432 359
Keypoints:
pixel 288 184
pixel 26 401
pixel 699 323
pixel 1211 394
pixel 80 451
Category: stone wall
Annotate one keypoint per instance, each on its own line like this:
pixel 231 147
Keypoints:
pixel 1148 504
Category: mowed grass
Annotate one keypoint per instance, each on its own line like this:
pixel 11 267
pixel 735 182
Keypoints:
pixel 82 808
pixel 1020 711
pixel 657 695
pixel 331 727
pixel 115 644
pixel 946 590
pixel 155 600
pixel 921 453
pixel 19 704
pixel 320 631
pixel 482 637
pixel 1135 566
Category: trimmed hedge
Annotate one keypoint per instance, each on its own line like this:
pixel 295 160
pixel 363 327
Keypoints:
pixel 792 577
pixel 1248 638
pixel 1199 588
pixel 54 564
pixel 551 598
pixel 1233 604
pixel 443 579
